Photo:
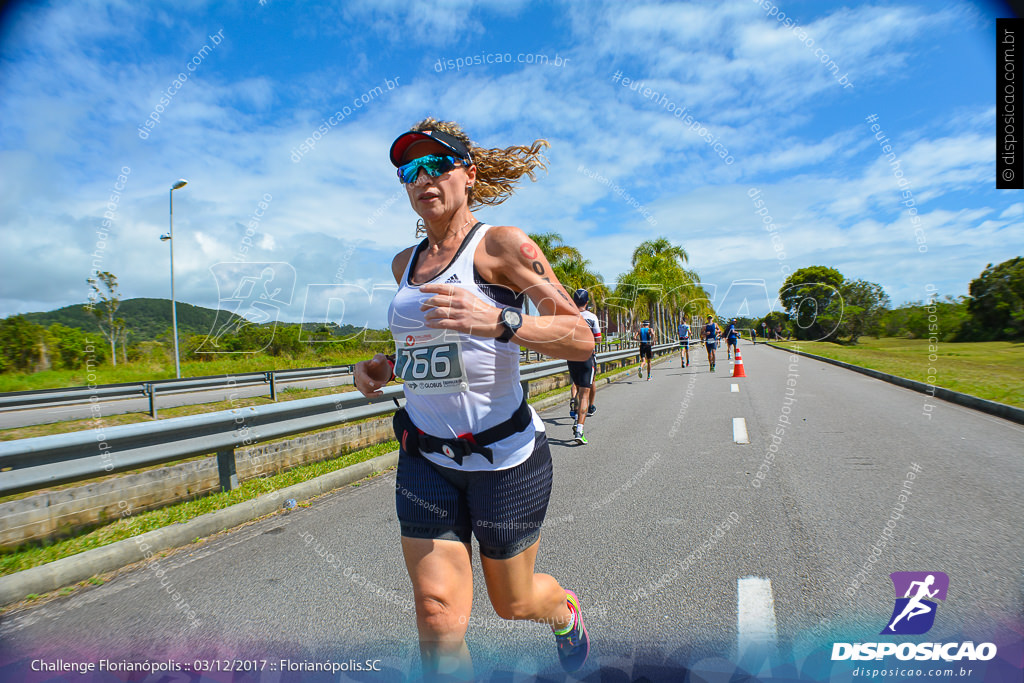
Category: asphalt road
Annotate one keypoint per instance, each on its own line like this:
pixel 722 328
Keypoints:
pixel 629 528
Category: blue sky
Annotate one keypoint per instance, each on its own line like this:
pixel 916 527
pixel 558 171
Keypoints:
pixel 78 80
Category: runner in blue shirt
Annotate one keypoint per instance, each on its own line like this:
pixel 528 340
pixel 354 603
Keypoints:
pixel 684 343
pixel 711 341
pixel 647 337
pixel 732 336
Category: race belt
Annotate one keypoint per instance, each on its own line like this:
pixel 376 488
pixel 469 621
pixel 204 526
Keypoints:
pixel 414 440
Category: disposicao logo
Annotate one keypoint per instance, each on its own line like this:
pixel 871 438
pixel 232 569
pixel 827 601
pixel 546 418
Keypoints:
pixel 914 614
pixel 914 609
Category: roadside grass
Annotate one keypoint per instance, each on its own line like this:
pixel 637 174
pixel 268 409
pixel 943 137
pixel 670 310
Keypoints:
pixel 990 370
pixel 153 369
pixel 39 554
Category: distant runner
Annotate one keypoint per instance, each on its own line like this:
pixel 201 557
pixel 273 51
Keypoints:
pixel 731 339
pixel 684 343
pixel 582 372
pixel 647 338
pixel 711 341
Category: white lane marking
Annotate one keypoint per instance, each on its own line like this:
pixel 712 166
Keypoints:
pixel 739 430
pixel 756 628
pixel 734 388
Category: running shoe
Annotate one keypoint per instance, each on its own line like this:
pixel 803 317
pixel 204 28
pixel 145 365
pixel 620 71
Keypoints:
pixel 591 410
pixel 580 439
pixel 574 646
pixel 640 372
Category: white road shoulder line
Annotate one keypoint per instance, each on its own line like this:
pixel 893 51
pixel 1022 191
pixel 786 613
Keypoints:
pixel 734 388
pixel 739 430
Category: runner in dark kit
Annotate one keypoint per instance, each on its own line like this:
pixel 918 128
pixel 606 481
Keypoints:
pixel 582 374
pixel 711 341
pixel 732 336
pixel 684 342
pixel 647 338
pixel 474 459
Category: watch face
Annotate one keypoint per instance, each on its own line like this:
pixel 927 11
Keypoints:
pixel 513 318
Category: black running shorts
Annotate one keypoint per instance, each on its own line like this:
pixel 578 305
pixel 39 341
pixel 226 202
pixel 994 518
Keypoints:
pixel 582 374
pixel 504 509
pixel 646 350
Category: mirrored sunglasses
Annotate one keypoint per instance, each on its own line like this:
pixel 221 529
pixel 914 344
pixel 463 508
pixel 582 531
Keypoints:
pixel 434 164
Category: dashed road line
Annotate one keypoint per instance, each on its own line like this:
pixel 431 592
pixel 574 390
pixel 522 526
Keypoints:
pixel 739 430
pixel 756 628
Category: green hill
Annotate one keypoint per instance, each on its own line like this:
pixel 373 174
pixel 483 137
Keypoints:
pixel 146 318
pixel 149 318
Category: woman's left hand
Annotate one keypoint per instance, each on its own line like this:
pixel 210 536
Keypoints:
pixel 455 308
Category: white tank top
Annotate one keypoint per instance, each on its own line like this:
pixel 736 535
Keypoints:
pixel 459 383
pixel 595 324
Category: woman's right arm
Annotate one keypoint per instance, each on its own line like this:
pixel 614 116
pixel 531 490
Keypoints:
pixel 370 376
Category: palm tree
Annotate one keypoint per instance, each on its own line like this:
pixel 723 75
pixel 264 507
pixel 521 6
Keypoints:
pixel 576 273
pixel 569 266
pixel 626 296
pixel 660 248
pixel 660 264
pixel 554 247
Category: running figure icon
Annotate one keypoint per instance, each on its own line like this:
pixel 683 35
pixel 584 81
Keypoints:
pixel 915 607
pixel 916 595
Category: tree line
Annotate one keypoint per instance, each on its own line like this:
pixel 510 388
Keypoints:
pixel 818 303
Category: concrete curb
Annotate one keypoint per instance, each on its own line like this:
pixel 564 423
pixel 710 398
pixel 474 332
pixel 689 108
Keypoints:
pixel 1002 410
pixel 70 570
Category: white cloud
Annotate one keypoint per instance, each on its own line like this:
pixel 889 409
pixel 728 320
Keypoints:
pixel 69 109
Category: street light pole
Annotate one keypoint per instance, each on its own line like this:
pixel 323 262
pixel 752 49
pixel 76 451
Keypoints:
pixel 174 304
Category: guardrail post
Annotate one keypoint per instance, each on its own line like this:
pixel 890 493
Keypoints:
pixel 226 469
pixel 526 387
pixel 273 385
pixel 151 391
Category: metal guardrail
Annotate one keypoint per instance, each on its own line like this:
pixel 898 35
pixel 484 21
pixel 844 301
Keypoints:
pixel 38 462
pixel 109 392
pixel 601 347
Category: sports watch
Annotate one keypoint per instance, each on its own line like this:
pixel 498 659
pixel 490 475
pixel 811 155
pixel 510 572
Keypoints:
pixel 512 319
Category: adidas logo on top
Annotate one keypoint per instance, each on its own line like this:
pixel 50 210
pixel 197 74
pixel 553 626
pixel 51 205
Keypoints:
pixel 454 279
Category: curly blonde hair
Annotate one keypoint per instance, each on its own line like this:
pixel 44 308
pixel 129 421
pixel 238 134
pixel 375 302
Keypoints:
pixel 497 170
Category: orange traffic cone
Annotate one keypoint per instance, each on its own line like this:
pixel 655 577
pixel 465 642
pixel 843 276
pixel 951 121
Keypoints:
pixel 737 370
